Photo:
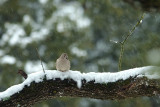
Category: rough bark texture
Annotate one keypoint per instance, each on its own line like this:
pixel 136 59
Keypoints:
pixel 147 5
pixel 36 92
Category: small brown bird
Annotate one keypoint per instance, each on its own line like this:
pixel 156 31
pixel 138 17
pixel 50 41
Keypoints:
pixel 63 63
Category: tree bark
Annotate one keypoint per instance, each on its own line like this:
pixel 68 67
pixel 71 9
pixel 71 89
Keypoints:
pixel 48 89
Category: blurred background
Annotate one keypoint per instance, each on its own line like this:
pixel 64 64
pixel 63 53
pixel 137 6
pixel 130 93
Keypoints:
pixel 85 29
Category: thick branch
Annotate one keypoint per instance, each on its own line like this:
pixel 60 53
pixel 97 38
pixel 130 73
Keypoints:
pixel 129 88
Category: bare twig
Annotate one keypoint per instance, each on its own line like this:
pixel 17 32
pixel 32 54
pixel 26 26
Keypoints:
pixel 23 74
pixel 40 60
pixel 123 42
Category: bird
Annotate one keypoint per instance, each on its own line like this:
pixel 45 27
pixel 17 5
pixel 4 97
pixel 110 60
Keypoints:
pixel 63 63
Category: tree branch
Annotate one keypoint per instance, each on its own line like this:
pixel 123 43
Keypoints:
pixel 123 42
pixel 22 73
pixel 129 88
pixel 40 60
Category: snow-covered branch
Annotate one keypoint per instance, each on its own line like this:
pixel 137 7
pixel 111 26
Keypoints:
pixel 38 86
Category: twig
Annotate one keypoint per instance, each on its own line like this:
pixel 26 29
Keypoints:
pixel 123 42
pixel 23 74
pixel 40 60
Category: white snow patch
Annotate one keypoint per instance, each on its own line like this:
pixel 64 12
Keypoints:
pixel 75 75
pixel 7 59
pixel 37 77
pixel 43 1
pixel 26 19
pixel 72 11
pixel 150 71
pixel 114 41
pixel 75 12
pixel 15 34
pixel 78 52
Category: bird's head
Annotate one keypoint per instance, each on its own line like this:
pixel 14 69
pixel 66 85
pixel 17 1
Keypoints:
pixel 64 56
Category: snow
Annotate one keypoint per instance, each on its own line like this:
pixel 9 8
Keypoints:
pixel 43 1
pixel 114 41
pixel 72 11
pixel 26 19
pixel 7 59
pixel 78 52
pixel 150 72
pixel 15 34
pixel 16 88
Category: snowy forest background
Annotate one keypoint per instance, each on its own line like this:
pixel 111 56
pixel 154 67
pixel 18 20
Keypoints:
pixel 86 30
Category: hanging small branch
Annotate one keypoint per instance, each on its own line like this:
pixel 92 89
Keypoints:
pixel 40 60
pixel 123 42
pixel 22 73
